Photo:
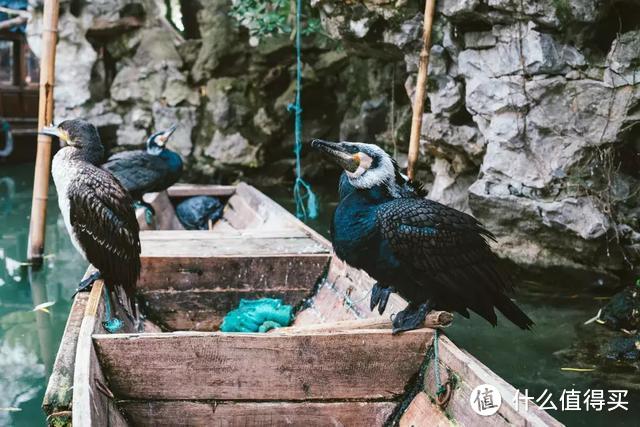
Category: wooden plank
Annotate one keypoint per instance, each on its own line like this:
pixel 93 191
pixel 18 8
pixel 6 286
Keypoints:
pixel 245 273
pixel 93 403
pixel 267 208
pixel 469 373
pixel 58 397
pixel 366 364
pixel 229 246
pixel 203 310
pixel 424 413
pixel 325 306
pixel 165 215
pixel 59 393
pixel 190 190
pixel 254 414
pixel 173 235
pixel 239 215
pixel 269 212
pixel 345 295
pixel 434 319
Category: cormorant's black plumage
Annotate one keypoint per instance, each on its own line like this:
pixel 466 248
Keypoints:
pixel 154 169
pixel 98 212
pixel 428 252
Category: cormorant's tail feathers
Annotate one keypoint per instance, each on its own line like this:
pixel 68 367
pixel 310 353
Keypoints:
pixel 512 312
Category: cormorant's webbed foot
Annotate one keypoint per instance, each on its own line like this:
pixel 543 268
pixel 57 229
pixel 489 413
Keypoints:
pixel 85 285
pixel 411 317
pixel 380 297
pixel 149 212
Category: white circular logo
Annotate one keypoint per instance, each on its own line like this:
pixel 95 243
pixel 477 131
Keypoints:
pixel 485 400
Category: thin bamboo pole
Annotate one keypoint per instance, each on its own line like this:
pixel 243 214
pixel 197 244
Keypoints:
pixel 421 88
pixel 45 117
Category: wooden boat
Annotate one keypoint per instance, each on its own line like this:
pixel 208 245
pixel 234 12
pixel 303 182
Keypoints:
pixel 338 364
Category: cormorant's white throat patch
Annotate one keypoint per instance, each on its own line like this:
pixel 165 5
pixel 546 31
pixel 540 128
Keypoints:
pixel 367 175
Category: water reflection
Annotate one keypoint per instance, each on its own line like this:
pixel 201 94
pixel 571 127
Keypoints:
pixel 29 339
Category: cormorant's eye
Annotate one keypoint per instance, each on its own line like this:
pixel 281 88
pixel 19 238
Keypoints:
pixel 352 149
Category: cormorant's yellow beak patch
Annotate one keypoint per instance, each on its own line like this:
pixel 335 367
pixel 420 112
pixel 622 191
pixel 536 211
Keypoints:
pixel 61 134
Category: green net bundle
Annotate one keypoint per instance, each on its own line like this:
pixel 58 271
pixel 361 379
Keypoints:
pixel 258 315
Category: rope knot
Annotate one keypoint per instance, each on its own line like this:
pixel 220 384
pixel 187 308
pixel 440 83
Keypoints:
pixel 294 108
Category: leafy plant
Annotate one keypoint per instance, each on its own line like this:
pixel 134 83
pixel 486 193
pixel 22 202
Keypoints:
pixel 264 18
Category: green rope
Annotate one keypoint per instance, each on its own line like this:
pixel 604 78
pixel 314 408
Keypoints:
pixel 114 324
pixel 440 388
pixel 301 189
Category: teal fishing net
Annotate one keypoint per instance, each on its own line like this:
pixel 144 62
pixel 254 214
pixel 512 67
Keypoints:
pixel 259 315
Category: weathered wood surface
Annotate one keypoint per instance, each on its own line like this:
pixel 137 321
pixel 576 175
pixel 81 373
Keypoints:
pixel 366 364
pixel 244 272
pixel 254 414
pixel 434 319
pixel 344 295
pixel 469 373
pixel 422 412
pixel 59 393
pixel 188 247
pixel 204 309
pixel 191 279
pixel 165 215
pixel 190 190
pixel 248 208
pixel 93 403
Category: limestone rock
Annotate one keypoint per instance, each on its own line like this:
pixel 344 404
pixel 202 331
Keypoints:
pixel 232 150
pixel 623 60
pixel 75 59
pixel 220 39
pixel 446 96
pixel 451 141
pixel 520 48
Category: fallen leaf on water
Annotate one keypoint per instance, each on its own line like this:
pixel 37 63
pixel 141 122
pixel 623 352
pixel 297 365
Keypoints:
pixel 578 369
pixel 44 306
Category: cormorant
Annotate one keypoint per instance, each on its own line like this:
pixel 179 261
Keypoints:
pixel 143 171
pixel 97 211
pixel 434 256
pixel 196 213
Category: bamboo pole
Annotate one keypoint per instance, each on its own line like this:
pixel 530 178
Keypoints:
pixel 45 117
pixel 421 88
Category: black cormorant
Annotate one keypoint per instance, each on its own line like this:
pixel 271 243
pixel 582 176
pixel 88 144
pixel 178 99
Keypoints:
pixel 434 256
pixel 97 211
pixel 199 212
pixel 145 171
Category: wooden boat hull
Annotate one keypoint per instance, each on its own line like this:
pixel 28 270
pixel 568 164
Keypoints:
pixel 338 364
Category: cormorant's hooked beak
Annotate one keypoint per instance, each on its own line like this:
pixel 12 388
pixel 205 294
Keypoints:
pixel 61 134
pixel 164 137
pixel 338 153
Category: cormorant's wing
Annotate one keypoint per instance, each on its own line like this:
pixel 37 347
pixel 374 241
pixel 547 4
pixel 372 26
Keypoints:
pixel 446 250
pixel 138 171
pixel 104 222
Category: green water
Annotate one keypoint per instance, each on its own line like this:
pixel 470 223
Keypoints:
pixel 29 340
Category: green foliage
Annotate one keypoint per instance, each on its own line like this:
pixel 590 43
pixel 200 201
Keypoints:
pixel 563 10
pixel 265 18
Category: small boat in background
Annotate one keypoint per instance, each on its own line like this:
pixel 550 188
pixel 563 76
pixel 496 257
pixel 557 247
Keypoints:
pixel 338 364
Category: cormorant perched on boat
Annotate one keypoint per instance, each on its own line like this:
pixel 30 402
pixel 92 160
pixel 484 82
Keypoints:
pixel 145 171
pixel 434 256
pixel 97 211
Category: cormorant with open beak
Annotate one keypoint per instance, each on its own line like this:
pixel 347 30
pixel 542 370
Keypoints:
pixel 434 256
pixel 145 171
pixel 97 211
